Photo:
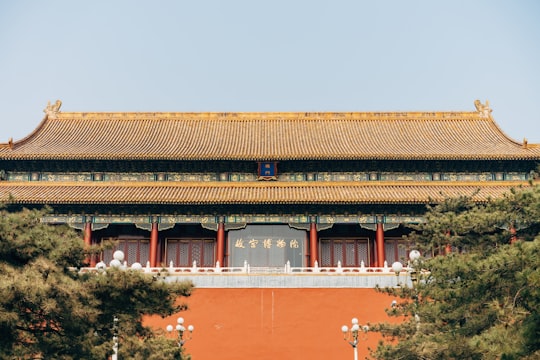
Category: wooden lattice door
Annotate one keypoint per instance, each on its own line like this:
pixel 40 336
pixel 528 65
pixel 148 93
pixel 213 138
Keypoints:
pixel 183 252
pixel 135 250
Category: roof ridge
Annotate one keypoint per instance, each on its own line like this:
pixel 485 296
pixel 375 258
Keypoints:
pixel 269 115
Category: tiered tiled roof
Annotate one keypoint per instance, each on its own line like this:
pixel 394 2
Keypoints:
pixel 193 193
pixel 261 137
pixel 269 136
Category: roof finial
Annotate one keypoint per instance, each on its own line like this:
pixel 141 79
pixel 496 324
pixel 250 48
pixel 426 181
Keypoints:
pixel 484 110
pixel 525 142
pixel 52 110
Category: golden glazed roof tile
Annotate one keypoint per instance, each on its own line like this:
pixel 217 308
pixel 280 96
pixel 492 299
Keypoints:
pixel 247 192
pixel 269 136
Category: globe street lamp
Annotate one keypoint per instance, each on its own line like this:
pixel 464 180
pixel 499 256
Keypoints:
pixel 414 256
pixel 118 263
pixel 351 335
pixel 180 330
pixel 396 268
pixel 118 259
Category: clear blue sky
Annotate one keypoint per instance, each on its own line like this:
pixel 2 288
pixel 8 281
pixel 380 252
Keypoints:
pixel 275 55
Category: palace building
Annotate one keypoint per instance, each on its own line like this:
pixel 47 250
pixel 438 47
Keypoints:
pixel 267 188
pixel 285 221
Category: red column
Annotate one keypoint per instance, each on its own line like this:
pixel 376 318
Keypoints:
pixel 513 236
pixel 379 239
pixel 448 247
pixel 153 244
pixel 220 248
pixel 313 243
pixel 91 260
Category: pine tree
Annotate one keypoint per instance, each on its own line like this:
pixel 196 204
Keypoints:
pixel 50 310
pixel 482 301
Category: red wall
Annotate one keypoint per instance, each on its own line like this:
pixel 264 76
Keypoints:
pixel 233 324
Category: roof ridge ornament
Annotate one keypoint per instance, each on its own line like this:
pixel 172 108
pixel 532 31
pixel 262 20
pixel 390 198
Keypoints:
pixel 52 110
pixel 483 109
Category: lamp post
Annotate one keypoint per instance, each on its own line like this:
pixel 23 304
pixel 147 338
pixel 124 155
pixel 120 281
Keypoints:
pixel 116 262
pixel 351 335
pixel 181 330
pixel 396 268
pixel 414 257
pixel 115 339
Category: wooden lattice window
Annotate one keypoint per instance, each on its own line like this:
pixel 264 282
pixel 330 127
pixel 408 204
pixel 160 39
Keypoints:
pixel 349 251
pixel 395 250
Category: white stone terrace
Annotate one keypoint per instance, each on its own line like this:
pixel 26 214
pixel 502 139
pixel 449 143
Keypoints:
pixel 278 277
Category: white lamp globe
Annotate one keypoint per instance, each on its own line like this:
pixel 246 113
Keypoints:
pixel 169 328
pixel 397 267
pixel 414 255
pixel 136 266
pixel 191 328
pixel 344 328
pixel 115 263
pixel 101 266
pixel 118 255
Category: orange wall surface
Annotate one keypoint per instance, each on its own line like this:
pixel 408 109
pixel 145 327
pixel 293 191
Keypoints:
pixel 233 324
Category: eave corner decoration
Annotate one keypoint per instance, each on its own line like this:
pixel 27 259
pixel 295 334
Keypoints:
pixel 483 109
pixel 52 109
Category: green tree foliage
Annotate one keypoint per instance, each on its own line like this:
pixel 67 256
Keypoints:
pixel 481 301
pixel 50 310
